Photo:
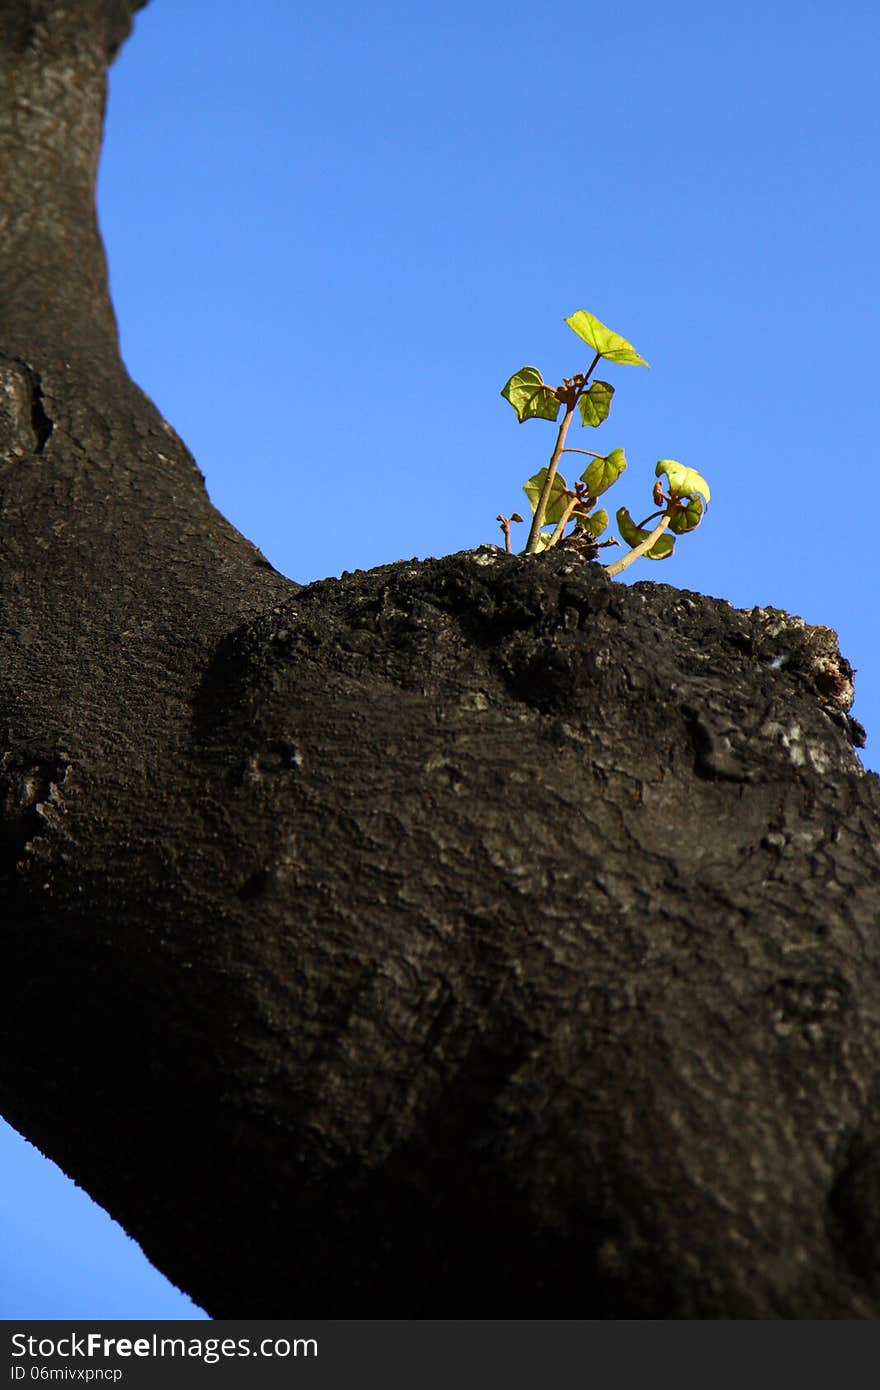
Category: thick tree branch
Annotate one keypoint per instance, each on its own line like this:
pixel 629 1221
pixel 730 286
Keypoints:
pixel 468 938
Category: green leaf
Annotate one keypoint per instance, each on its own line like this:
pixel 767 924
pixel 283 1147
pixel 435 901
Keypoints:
pixel 602 340
pixel 557 501
pixel 683 481
pixel 603 472
pixel 529 396
pixel 634 535
pixel 544 540
pixel 594 524
pixel 595 404
pixel 690 517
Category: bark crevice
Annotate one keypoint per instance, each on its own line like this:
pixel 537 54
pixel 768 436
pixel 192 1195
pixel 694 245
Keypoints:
pixel 42 425
pixel 469 937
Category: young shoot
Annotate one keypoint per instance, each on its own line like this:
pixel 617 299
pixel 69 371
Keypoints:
pixel 556 507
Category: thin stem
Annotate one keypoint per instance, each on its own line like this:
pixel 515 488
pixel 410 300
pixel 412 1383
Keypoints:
pixel 643 524
pixel 563 522
pixel 592 367
pixel 638 550
pixel 558 451
pixel 505 526
pixel 569 450
pixel 541 509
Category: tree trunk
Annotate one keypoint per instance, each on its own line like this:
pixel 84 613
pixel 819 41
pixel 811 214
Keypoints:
pixel 469 938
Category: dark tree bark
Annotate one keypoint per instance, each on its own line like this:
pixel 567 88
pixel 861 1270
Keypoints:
pixel 468 938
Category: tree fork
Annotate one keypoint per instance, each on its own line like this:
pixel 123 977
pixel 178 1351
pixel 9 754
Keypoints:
pixel 467 938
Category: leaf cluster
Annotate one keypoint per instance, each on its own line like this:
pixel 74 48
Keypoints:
pixel 555 505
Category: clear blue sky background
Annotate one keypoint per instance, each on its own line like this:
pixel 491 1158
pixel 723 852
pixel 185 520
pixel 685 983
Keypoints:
pixel 335 230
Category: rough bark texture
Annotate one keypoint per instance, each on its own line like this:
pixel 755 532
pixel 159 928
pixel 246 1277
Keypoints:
pixel 468 937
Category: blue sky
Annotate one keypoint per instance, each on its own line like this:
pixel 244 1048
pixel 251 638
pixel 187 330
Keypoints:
pixel 334 231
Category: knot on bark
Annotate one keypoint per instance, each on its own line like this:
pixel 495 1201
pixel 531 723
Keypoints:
pixel 25 427
pixel 748 694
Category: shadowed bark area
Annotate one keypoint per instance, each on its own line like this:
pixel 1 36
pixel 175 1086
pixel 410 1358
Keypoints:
pixel 474 937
